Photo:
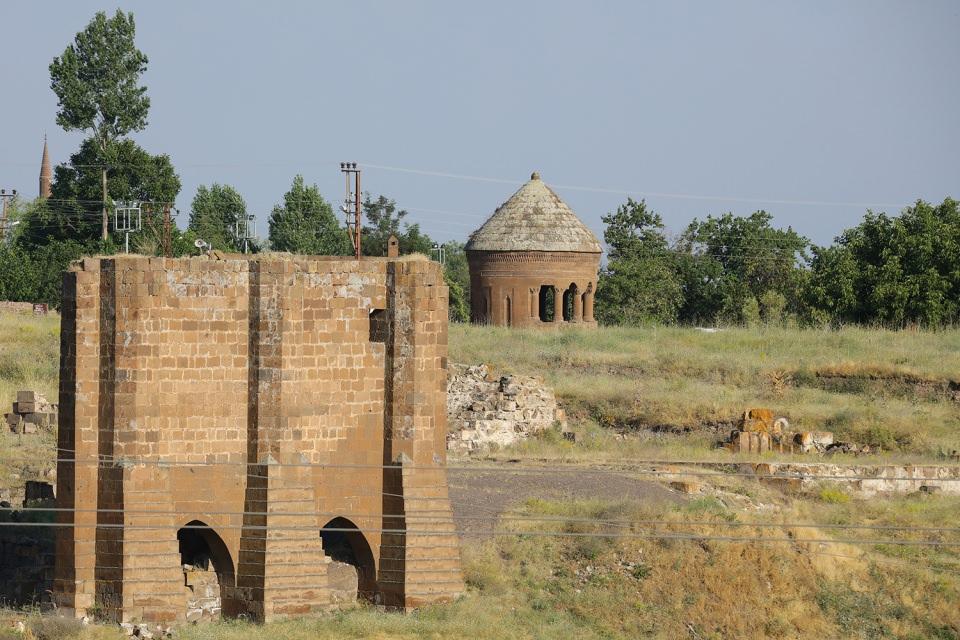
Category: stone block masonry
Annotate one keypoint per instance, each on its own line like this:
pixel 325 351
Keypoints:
pixel 31 412
pixel 486 412
pixel 243 415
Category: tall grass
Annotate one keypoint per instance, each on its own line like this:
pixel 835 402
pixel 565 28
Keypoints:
pixel 684 378
pixel 579 586
pixel 29 359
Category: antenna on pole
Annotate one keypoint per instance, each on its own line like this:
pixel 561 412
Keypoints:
pixel 441 252
pixel 351 205
pixel 127 218
pixel 244 230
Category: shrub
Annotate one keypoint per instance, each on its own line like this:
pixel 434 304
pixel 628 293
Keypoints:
pixel 55 628
pixel 833 494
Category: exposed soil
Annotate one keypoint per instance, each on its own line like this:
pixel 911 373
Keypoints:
pixel 480 496
pixel 900 386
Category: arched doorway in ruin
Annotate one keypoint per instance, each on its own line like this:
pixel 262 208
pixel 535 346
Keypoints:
pixel 208 574
pixel 352 559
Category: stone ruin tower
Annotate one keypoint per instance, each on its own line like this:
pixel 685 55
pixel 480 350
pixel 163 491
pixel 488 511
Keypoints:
pixel 234 432
pixel 533 263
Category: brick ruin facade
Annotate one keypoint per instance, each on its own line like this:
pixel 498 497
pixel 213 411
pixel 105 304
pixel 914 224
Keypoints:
pixel 533 263
pixel 252 414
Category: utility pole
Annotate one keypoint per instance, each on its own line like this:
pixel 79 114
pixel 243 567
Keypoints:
pixel 441 252
pixel 351 206
pixel 167 245
pixel 6 197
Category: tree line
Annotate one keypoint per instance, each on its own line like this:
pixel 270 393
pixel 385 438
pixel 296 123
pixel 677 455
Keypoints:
pixel 97 81
pixel 889 270
pixel 892 271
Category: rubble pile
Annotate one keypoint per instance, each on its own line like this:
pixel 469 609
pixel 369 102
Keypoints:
pixel 486 412
pixel 202 593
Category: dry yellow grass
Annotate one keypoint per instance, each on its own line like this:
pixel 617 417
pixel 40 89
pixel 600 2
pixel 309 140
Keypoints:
pixel 29 359
pixel 873 386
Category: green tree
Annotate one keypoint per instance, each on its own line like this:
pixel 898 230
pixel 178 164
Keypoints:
pixel 381 220
pixel 17 275
pixel 735 261
pixel 73 209
pixel 214 215
pixel 456 273
pixel 96 81
pixel 640 281
pixel 305 223
pixel 892 270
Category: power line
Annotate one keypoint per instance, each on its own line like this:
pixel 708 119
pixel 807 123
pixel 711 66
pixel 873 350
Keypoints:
pixel 652 194
pixel 621 469
pixel 446 516
pixel 496 533
pixel 508 181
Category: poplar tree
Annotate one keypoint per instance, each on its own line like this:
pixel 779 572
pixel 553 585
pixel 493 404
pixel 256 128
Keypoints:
pixel 97 82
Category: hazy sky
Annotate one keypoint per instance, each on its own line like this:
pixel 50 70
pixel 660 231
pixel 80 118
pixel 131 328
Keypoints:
pixel 733 105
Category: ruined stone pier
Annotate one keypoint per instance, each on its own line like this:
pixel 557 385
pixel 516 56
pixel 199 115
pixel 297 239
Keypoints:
pixel 248 415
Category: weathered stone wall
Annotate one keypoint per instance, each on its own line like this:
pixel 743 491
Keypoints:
pixel 486 412
pixel 862 480
pixel 505 286
pixel 211 389
pixel 26 563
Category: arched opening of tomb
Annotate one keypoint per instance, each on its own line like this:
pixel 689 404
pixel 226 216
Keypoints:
pixel 587 303
pixel 547 294
pixel 353 573
pixel 208 574
pixel 568 302
pixel 507 312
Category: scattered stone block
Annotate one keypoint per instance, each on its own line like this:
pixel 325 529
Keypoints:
pixel 813 440
pixel 686 486
pixel 31 408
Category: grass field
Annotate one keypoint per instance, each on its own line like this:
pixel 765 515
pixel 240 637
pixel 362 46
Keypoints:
pixel 882 388
pixel 29 359
pixel 527 585
pixel 672 391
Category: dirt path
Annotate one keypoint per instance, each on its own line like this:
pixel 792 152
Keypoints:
pixel 484 493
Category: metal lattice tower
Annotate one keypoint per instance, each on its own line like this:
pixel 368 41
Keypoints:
pixel 351 206
pixel 127 219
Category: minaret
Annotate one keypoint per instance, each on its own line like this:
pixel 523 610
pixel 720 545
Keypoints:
pixel 46 175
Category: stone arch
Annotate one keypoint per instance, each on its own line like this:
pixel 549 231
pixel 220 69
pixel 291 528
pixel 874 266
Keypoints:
pixel 569 304
pixel 345 544
pixel 547 294
pixel 587 303
pixel 208 571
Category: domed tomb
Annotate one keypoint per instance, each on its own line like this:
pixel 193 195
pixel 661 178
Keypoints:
pixel 533 263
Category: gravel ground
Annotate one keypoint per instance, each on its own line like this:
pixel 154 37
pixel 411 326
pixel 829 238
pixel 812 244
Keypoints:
pixel 484 493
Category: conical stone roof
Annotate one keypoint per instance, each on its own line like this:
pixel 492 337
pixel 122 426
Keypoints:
pixel 534 219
